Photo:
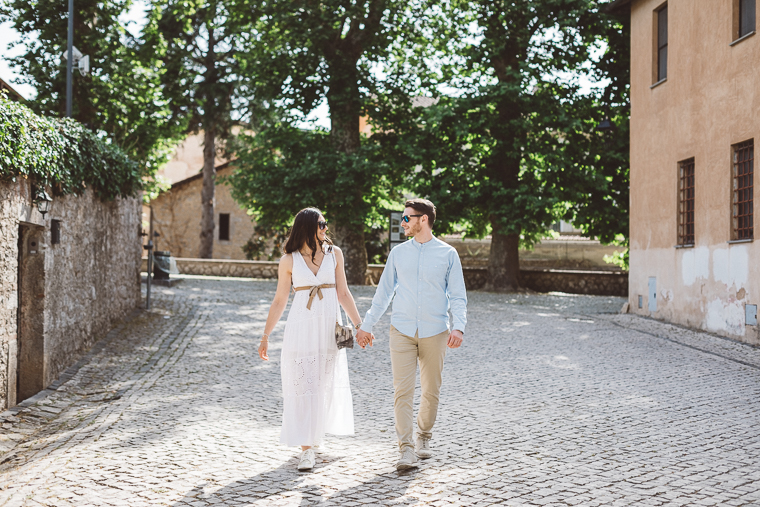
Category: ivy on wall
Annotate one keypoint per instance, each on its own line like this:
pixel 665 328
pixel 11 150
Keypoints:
pixel 62 154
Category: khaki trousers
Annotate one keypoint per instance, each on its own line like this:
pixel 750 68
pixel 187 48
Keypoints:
pixel 405 353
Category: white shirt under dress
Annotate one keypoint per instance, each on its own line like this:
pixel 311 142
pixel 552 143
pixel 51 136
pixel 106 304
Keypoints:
pixel 315 387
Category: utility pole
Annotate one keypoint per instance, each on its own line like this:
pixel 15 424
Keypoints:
pixel 70 60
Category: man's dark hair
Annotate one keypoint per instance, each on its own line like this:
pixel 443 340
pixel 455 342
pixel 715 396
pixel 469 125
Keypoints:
pixel 423 206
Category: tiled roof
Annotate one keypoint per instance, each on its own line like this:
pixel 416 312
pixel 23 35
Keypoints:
pixel 198 176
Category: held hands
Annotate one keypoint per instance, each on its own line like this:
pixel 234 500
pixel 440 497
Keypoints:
pixel 455 339
pixel 364 338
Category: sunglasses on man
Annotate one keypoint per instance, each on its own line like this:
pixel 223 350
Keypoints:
pixel 406 218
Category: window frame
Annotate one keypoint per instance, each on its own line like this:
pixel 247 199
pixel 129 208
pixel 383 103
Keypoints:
pixel 686 202
pixel 751 25
pixel 55 231
pixel 227 227
pixel 742 191
pixel 660 46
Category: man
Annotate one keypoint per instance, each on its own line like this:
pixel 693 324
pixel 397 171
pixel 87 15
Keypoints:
pixel 426 276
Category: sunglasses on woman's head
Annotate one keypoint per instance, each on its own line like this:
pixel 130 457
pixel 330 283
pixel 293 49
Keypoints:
pixel 406 218
pixel 322 225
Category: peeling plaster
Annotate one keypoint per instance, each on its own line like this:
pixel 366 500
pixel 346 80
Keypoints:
pixel 739 263
pixel 695 264
pixel 731 265
pixel 725 317
pixel 721 263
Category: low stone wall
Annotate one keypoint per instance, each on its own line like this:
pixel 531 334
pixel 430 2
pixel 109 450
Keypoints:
pixel 597 283
pixel 223 267
pixel 58 299
pixel 601 283
pixel 566 252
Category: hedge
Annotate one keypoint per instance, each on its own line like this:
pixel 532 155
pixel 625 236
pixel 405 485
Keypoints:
pixel 62 154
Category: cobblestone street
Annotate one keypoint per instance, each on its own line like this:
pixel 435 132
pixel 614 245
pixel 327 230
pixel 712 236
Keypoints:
pixel 552 400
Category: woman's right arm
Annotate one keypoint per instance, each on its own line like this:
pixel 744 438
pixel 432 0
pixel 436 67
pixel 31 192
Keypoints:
pixel 280 301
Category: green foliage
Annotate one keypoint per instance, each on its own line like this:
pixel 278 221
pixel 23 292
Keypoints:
pixel 120 99
pixel 620 258
pixel 510 145
pixel 62 154
pixel 265 243
pixel 203 48
pixel 314 52
pixel 284 169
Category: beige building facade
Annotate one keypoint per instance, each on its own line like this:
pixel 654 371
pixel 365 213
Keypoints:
pixel 177 219
pixel 695 118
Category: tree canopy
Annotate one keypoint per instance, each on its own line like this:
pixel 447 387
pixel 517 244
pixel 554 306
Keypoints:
pixel 329 51
pixel 204 47
pixel 510 147
pixel 120 98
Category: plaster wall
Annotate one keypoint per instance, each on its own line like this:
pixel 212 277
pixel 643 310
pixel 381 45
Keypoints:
pixel 72 292
pixel 187 160
pixel 709 102
pixel 177 218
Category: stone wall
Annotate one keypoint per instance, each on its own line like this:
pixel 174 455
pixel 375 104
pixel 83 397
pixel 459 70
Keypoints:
pixel 564 252
pixel 56 300
pixel 602 283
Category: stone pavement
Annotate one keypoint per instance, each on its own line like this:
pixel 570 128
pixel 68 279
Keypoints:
pixel 552 400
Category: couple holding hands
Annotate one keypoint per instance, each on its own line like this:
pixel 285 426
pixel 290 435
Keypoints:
pixel 425 276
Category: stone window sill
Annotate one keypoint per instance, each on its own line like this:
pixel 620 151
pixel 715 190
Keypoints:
pixel 736 241
pixel 658 83
pixel 743 37
pixel 684 246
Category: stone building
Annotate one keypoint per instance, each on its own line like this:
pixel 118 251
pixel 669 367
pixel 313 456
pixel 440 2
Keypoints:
pixel 177 219
pixel 67 277
pixel 695 115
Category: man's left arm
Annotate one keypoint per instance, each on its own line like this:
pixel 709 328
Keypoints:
pixel 457 293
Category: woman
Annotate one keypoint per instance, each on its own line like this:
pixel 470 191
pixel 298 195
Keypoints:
pixel 317 395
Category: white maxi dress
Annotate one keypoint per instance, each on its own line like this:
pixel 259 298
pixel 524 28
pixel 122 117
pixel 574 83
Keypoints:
pixel 315 387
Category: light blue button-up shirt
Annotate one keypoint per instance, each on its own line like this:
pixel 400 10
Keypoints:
pixel 427 280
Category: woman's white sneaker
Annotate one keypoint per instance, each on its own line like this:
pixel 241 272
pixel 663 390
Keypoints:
pixel 307 460
pixel 408 459
pixel 423 448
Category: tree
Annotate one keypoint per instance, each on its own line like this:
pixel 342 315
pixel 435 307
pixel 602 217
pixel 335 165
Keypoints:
pixel 499 152
pixel 599 201
pixel 203 46
pixel 315 51
pixel 119 99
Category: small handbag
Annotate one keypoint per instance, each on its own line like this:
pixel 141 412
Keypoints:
pixel 344 335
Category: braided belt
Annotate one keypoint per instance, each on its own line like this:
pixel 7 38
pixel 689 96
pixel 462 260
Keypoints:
pixel 314 291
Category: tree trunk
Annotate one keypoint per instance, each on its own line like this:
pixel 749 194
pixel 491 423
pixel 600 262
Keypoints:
pixel 354 250
pixel 504 263
pixel 207 194
pixel 345 107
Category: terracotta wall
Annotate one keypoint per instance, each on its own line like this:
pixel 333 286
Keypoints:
pixel 177 218
pixel 710 101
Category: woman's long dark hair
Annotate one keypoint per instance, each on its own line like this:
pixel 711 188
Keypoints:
pixel 304 230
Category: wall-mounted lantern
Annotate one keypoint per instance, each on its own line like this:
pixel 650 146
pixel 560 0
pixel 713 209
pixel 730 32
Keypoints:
pixel 43 201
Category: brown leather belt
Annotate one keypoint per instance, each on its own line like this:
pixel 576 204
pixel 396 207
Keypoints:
pixel 314 291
